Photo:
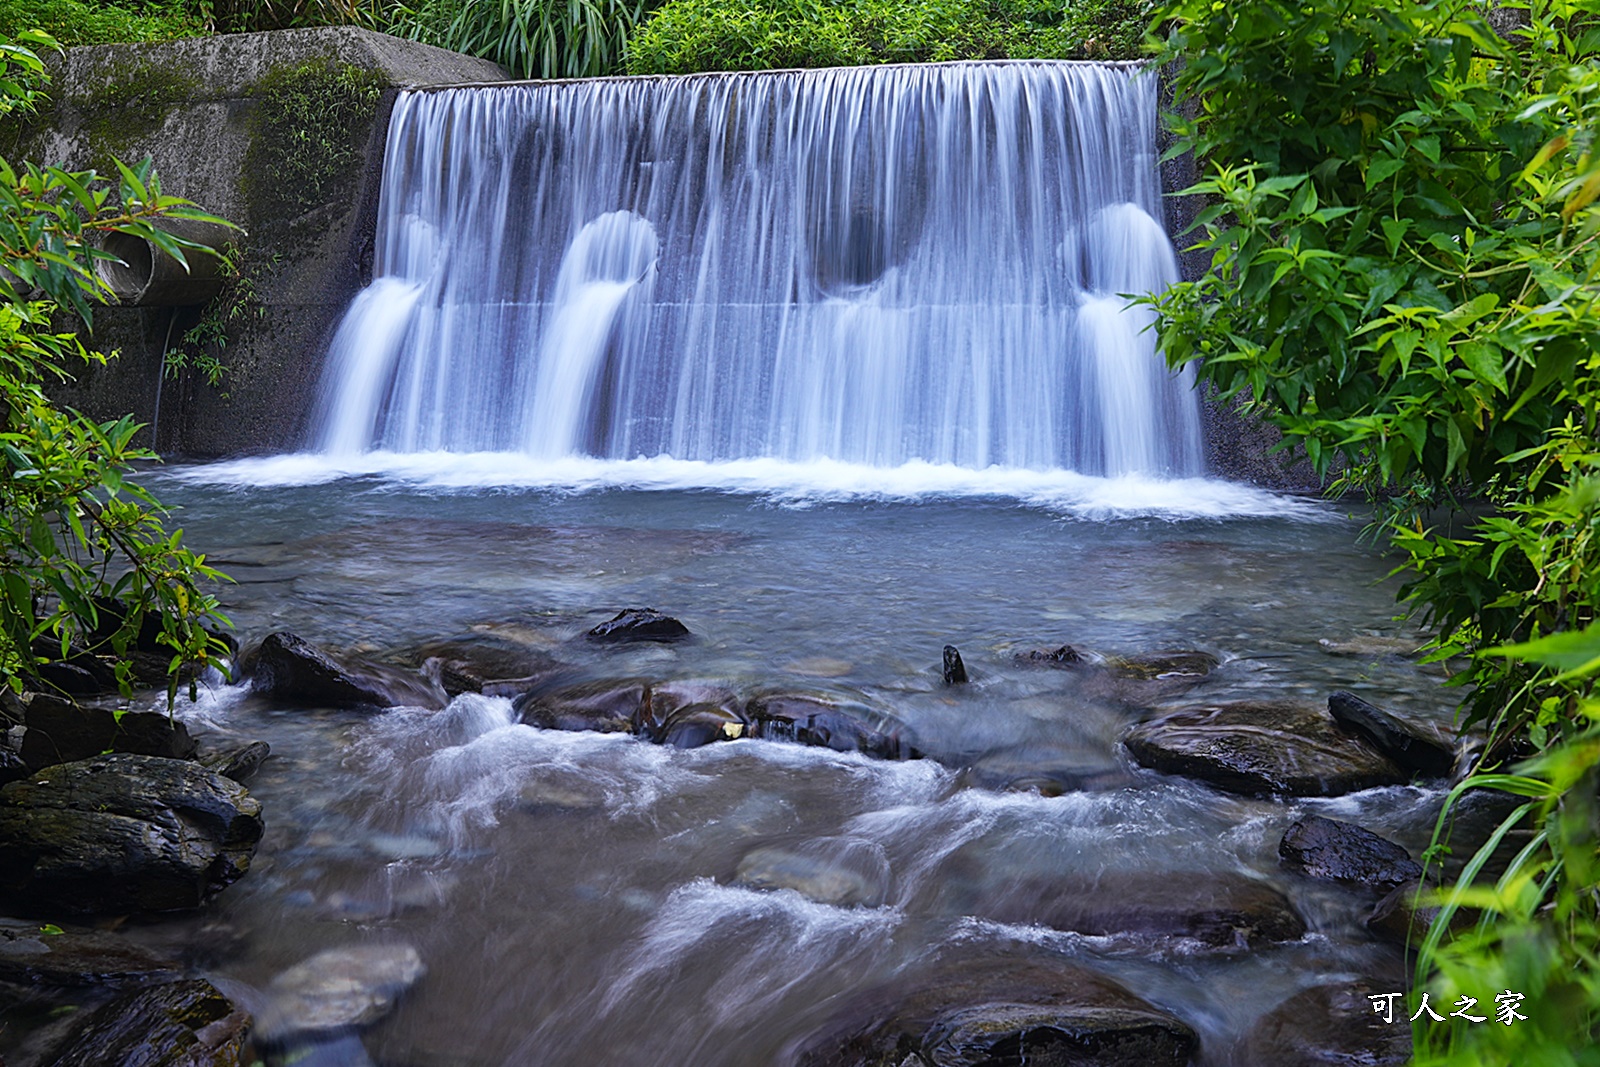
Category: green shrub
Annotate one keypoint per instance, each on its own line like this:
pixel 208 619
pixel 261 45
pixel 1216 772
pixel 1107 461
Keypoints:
pixel 529 38
pixel 75 22
pixel 687 36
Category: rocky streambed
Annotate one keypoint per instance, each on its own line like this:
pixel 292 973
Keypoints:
pixel 925 784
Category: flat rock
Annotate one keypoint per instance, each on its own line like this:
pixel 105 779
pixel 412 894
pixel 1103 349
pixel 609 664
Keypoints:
pixel 610 706
pixel 825 722
pixel 60 731
pixel 842 871
pixel 639 624
pixel 977 1009
pixel 1261 748
pixel 78 957
pixel 1327 1025
pixel 1413 747
pixel 1334 851
pixel 336 990
pixel 1212 909
pixel 288 668
pixel 124 833
pixel 178 1024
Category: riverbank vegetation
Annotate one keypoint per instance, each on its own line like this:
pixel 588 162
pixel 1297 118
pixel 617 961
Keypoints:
pixel 1403 231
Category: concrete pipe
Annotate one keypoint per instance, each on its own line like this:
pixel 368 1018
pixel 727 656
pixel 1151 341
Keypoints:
pixel 148 277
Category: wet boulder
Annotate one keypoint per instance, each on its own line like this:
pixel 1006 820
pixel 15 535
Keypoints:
pixel 842 871
pixel 1065 655
pixel 337 990
pixel 611 706
pixel 12 768
pixel 973 1008
pixel 814 719
pixel 123 833
pixel 238 762
pixel 1261 748
pixel 639 624
pixel 178 1024
pixel 1401 918
pixel 1333 851
pixel 289 669
pixel 1328 1024
pixel 1413 747
pixel 1049 770
pixel 492 658
pixel 953 669
pixel 34 956
pixel 1213 910
pixel 688 714
pixel 60 731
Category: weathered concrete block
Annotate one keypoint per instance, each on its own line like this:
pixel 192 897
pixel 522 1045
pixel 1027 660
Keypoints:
pixel 281 133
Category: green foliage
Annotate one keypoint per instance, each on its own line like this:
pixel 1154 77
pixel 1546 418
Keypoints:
pixel 309 130
pixel 529 38
pixel 1403 233
pixel 201 347
pixel 76 22
pixel 85 561
pixel 687 36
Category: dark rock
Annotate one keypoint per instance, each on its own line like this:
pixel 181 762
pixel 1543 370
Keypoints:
pixel 12 768
pixel 123 833
pixel 811 719
pixel 1065 655
pixel 1342 852
pixel 179 1024
pixel 77 957
pixel 971 1009
pixel 287 668
pixel 1048 770
pixel 1261 748
pixel 842 871
pixel 468 663
pixel 665 700
pixel 239 762
pixel 337 990
pixel 955 672
pixel 700 724
pixel 639 624
pixel 1328 1024
pixel 1405 744
pixel 1154 666
pixel 607 707
pixel 1399 918
pixel 341 1050
pixel 61 732
pixel 1221 911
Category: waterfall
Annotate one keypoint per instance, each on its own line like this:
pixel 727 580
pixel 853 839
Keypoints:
pixel 868 265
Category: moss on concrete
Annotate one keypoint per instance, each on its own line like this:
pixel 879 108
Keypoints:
pixel 130 107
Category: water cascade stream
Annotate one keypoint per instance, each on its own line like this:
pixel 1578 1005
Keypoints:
pixel 873 266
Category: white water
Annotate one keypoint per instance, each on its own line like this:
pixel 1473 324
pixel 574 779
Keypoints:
pixel 877 267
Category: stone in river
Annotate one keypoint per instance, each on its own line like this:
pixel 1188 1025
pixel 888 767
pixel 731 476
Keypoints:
pixel 608 707
pixel 178 1024
pixel 665 701
pixel 1367 646
pixel 839 871
pixel 1412 746
pixel 1049 770
pixel 288 668
pixel 238 762
pixel 1261 748
pixel 1065 655
pixel 482 658
pixel 1401 919
pixel 954 671
pixel 336 990
pixel 701 724
pixel 122 833
pixel 977 1006
pixel 1329 1024
pixel 814 719
pixel 639 624
pixel 60 731
pixel 1334 851
pixel 77 957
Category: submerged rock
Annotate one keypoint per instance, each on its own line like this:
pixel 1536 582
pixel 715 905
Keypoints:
pixel 1410 746
pixel 833 870
pixel 340 989
pixel 1366 645
pixel 1261 748
pixel 1159 666
pixel 77 957
pixel 1065 655
pixel 61 732
pixel 1328 1024
pixel 1048 770
pixel 239 762
pixel 1334 851
pixel 690 714
pixel 814 719
pixel 123 833
pixel 975 1010
pixel 612 706
pixel 954 671
pixel 639 624
pixel 179 1024
pixel 287 668
pixel 1401 919
pixel 486 658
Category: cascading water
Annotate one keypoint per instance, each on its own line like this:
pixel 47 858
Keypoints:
pixel 874 266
